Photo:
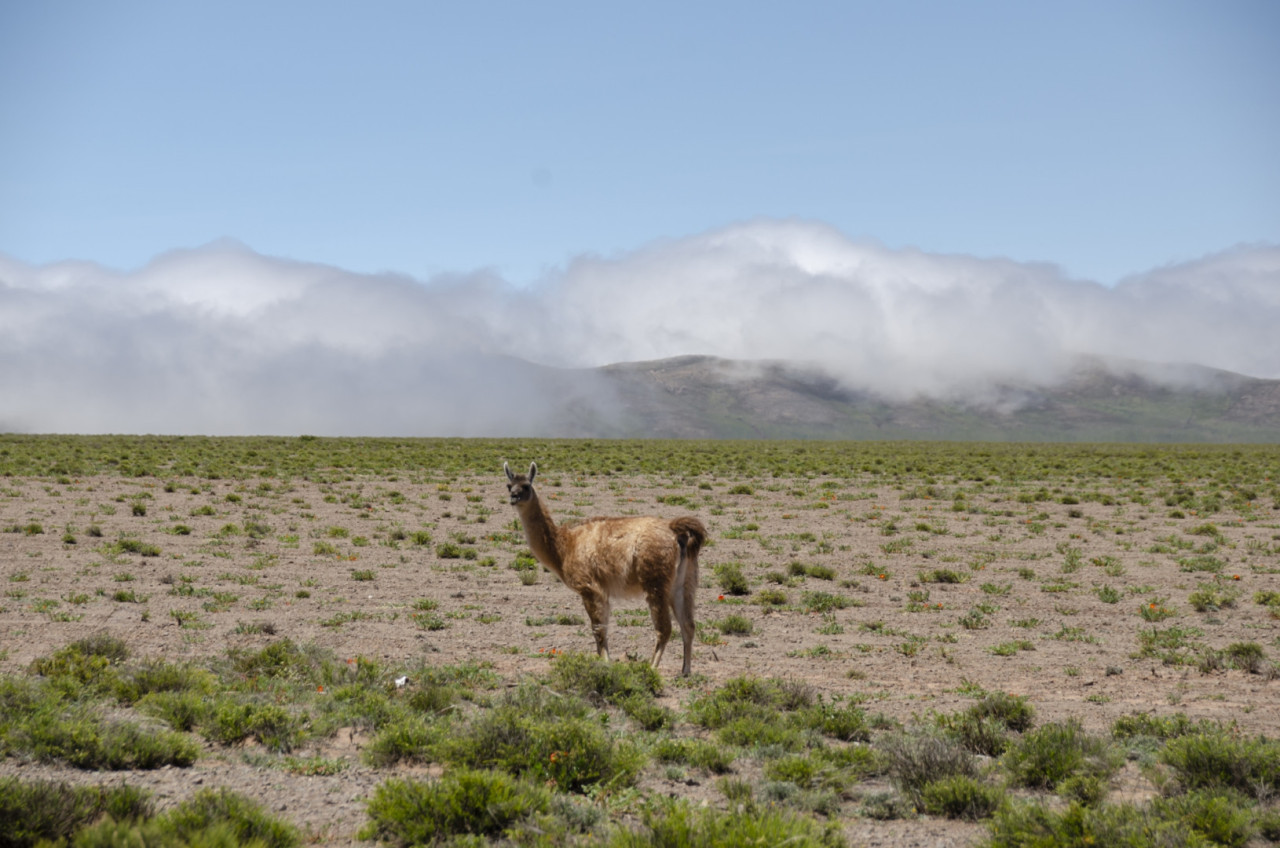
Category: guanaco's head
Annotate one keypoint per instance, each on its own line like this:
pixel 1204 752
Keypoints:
pixel 520 486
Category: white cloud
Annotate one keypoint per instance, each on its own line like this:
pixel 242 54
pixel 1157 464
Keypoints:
pixel 223 340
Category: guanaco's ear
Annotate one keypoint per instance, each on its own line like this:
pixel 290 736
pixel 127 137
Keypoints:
pixel 533 469
pixel 511 478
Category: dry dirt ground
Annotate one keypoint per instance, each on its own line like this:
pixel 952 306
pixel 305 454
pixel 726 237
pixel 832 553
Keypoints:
pixel 292 555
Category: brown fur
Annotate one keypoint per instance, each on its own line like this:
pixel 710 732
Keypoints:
pixel 606 558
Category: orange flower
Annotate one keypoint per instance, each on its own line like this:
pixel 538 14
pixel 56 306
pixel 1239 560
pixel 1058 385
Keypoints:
pixel 721 598
pixel 1235 577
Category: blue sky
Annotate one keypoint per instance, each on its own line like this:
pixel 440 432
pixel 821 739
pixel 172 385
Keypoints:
pixel 441 138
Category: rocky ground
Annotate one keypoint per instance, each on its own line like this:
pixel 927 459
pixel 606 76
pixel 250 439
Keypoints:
pixel 1051 600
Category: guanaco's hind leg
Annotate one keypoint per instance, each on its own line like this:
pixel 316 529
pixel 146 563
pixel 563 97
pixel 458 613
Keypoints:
pixel 682 602
pixel 597 606
pixel 661 615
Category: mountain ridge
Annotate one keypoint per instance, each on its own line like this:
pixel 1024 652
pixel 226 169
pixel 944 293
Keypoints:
pixel 697 397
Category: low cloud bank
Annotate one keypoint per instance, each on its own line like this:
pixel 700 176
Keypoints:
pixel 222 340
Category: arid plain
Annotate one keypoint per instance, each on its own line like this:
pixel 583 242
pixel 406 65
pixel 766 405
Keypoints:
pixel 1095 595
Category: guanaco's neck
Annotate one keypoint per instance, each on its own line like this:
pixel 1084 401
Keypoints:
pixel 541 533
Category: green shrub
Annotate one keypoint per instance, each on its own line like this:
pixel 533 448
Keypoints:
pixel 1043 758
pixel 942 575
pixel 31 811
pixel 979 734
pixel 984 727
pixel 961 797
pixel 823 602
pixel 698 753
pixel 412 739
pixel 158 676
pixel 915 760
pixel 183 711
pixel 1160 727
pixel 463 802
pixel 280 660
pixel 1219 759
pixel 676 824
pixel 846 722
pixel 86 666
pixel 734 625
pixel 829 769
pixel 233 721
pixel 644 711
pixel 748 697
pixel 213 808
pixel 771 597
pixel 85 741
pixel 533 733
pixel 604 682
pixel 1223 818
pixel 1121 825
pixel 731 580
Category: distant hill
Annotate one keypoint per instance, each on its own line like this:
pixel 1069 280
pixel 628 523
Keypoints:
pixel 704 397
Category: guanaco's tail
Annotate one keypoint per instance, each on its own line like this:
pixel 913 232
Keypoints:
pixel 690 534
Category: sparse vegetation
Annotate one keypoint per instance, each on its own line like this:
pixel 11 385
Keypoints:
pixel 869 578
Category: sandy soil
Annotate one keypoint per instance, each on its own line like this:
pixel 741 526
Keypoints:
pixel 1077 657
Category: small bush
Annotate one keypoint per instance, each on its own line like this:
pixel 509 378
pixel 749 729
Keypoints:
pixel 942 575
pixel 31 811
pixel 734 625
pixel 1036 824
pixel 823 602
pixel 668 824
pixel 731 580
pixel 531 732
pixel 87 742
pixel 1218 759
pixel 1043 758
pixel 697 753
pixel 281 660
pixel 913 761
pixel 411 740
pixel 247 821
pixel 463 802
pixel 771 597
pixel 1222 818
pixel 1159 727
pixel 961 797
pixel 602 682
pixel 159 676
pixel 272 725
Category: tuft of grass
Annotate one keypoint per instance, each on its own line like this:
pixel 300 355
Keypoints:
pixel 731 580
pixel 214 809
pixel 677 823
pixel 698 753
pixel 985 727
pixel 734 625
pixel 915 760
pixel 961 797
pixel 823 602
pixel 31 811
pixel 464 802
pixel 534 733
pixel 1218 759
pixel 1048 756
